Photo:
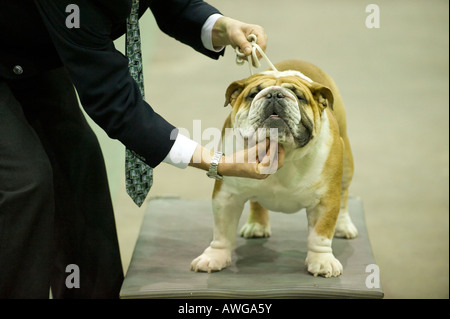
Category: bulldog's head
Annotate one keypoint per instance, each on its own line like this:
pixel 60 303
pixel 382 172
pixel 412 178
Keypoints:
pixel 286 100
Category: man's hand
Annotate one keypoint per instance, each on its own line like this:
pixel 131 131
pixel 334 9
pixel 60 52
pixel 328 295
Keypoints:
pixel 228 31
pixel 258 162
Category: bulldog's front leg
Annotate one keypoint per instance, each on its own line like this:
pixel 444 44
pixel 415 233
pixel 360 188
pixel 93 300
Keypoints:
pixel 227 210
pixel 320 259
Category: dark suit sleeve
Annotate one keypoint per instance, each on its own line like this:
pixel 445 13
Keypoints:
pixel 100 74
pixel 183 20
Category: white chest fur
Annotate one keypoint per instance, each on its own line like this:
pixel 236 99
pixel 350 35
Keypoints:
pixel 298 184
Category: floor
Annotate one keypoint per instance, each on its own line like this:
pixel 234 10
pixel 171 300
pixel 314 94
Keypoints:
pixel 394 81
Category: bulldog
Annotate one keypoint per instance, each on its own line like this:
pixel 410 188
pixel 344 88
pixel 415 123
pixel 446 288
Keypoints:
pixel 305 106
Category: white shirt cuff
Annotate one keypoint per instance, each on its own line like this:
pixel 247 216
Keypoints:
pixel 181 152
pixel 207 32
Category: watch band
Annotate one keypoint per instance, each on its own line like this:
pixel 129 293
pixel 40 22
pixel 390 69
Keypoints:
pixel 212 172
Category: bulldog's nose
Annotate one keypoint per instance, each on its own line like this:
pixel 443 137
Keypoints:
pixel 275 95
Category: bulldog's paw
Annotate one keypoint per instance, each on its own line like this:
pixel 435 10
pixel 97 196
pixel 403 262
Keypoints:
pixel 323 264
pixel 212 259
pixel 255 230
pixel 345 227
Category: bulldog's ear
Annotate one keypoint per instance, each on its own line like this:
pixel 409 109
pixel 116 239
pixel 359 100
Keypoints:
pixel 323 95
pixel 233 91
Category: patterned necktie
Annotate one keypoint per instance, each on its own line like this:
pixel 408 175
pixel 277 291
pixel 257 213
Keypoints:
pixel 139 176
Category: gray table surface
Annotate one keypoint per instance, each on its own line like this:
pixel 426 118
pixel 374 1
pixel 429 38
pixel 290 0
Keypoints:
pixel 175 231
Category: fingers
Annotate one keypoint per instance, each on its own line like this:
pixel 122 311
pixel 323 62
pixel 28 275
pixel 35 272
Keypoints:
pixel 280 156
pixel 273 159
pixel 261 36
pixel 243 40
pixel 236 33
pixel 258 161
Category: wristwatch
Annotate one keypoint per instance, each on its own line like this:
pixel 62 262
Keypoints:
pixel 212 172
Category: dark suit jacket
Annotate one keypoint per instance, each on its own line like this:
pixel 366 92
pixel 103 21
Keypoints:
pixel 35 36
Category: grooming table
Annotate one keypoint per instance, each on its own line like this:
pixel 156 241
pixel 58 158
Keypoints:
pixel 175 231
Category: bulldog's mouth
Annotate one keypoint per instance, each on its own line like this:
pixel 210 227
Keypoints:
pixel 275 127
pixel 274 115
pixel 275 121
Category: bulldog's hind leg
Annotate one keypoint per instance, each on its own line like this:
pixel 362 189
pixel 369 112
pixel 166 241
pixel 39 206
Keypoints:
pixel 257 225
pixel 227 210
pixel 344 225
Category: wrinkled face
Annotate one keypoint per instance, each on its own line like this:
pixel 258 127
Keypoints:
pixel 280 100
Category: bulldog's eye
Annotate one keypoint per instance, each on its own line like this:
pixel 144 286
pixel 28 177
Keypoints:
pixel 300 97
pixel 252 95
pixel 297 93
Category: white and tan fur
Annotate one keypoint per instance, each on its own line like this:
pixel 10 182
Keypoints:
pixel 315 176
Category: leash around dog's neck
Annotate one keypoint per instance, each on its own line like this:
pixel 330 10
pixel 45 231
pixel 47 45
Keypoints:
pixel 253 58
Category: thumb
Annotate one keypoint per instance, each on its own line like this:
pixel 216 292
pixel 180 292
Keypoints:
pixel 273 159
pixel 247 49
pixel 243 44
pixel 263 149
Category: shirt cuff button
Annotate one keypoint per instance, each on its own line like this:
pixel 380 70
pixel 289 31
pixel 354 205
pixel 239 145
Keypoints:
pixel 18 70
